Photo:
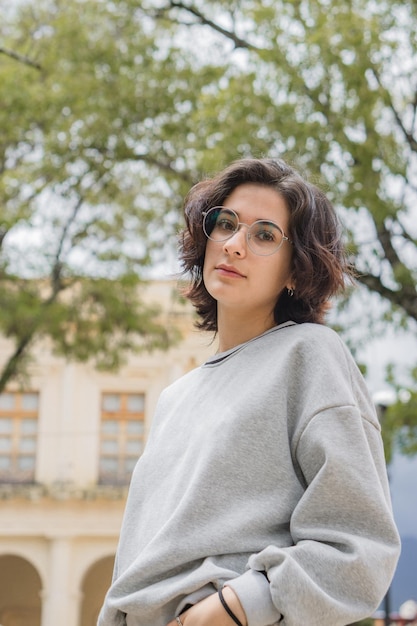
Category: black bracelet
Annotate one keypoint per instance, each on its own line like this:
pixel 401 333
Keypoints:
pixel 228 609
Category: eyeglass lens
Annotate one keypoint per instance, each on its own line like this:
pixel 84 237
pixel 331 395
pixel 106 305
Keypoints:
pixel 263 237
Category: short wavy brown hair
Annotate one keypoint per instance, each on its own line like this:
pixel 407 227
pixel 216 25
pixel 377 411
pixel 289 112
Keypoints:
pixel 319 264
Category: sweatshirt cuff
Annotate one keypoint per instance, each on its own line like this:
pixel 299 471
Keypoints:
pixel 253 591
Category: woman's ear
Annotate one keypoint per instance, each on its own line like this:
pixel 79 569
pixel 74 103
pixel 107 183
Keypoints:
pixel 290 285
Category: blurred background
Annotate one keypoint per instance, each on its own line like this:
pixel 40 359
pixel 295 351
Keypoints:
pixel 110 110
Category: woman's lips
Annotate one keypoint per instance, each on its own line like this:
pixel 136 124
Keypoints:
pixel 229 270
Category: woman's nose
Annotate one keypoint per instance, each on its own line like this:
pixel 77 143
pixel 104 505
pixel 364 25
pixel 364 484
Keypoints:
pixel 237 243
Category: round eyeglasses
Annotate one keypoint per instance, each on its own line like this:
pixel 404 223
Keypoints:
pixel 263 237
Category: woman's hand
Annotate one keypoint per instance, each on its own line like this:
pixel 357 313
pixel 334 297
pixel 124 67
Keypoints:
pixel 210 612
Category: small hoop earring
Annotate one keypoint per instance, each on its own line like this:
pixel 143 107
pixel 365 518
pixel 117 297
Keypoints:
pixel 290 292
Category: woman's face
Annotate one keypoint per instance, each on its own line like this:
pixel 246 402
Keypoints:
pixel 241 281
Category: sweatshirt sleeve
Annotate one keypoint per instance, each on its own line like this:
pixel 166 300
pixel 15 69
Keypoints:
pixel 346 545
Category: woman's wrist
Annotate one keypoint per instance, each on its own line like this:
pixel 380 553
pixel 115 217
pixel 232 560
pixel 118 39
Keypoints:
pixel 233 603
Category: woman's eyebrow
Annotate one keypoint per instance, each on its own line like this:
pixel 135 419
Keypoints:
pixel 257 219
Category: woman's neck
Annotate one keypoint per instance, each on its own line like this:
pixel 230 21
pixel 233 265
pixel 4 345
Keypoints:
pixel 234 330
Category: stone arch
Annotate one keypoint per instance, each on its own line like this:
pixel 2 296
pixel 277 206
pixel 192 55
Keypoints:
pixel 20 592
pixel 95 584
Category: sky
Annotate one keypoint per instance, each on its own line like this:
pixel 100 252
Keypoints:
pixel 403 481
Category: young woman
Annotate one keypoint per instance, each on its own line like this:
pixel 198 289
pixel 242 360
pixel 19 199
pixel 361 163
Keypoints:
pixel 262 496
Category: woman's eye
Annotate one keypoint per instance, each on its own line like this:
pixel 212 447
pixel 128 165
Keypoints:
pixel 265 235
pixel 225 224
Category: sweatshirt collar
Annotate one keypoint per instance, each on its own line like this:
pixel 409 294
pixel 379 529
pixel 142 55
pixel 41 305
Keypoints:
pixel 221 356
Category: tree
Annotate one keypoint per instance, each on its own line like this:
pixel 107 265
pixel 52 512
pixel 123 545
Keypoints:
pixel 118 107
pixel 75 202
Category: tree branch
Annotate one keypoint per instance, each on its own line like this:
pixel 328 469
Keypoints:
pixel 3 233
pixel 404 298
pixel 12 366
pixel 238 41
pixel 20 58
pixel 412 142
pixel 165 166
pixel 384 238
pixel 57 260
pixel 405 234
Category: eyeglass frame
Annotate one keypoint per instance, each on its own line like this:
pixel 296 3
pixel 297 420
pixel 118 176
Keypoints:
pixel 248 226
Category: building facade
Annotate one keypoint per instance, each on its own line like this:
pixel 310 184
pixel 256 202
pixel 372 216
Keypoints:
pixel 69 439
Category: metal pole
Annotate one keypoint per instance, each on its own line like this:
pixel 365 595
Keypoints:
pixel 387 607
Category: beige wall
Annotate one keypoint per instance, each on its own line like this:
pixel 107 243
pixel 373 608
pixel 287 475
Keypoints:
pixel 58 536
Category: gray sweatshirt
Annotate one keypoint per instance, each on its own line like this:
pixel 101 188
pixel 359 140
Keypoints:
pixel 264 470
